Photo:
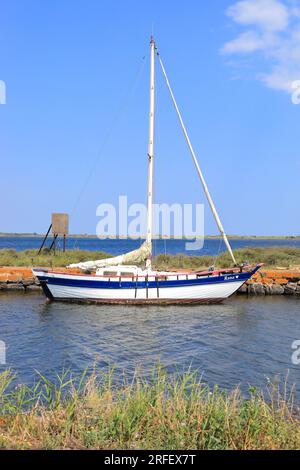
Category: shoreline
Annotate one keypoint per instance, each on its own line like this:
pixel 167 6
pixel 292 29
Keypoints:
pixel 264 282
pixel 155 237
pixel 279 274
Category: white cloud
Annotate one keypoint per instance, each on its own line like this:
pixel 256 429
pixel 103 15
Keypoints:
pixel 249 41
pixel 245 42
pixel 274 34
pixel 280 79
pixel 271 15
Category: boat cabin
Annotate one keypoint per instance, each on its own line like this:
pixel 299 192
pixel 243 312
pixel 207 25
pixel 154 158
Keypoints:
pixel 120 271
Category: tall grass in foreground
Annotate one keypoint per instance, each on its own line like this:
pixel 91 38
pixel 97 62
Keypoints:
pixel 274 256
pixel 165 412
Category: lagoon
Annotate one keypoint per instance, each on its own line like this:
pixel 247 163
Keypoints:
pixel 116 247
pixel 240 342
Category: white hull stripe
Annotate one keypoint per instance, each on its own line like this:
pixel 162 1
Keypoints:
pixel 216 291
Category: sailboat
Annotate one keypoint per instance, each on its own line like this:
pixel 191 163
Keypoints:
pixel 122 280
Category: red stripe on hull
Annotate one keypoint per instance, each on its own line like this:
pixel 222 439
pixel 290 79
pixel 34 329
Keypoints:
pixel 141 301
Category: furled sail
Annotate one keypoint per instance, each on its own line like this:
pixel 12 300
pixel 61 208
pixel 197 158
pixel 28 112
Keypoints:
pixel 137 256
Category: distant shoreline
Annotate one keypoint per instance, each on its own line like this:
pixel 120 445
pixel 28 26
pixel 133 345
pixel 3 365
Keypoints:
pixel 156 237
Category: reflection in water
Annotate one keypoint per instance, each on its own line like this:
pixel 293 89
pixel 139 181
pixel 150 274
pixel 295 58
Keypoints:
pixel 245 340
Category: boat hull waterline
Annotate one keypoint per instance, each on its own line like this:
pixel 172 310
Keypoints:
pixel 181 289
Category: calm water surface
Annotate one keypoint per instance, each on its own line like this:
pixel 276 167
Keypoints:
pixel 116 247
pixel 245 340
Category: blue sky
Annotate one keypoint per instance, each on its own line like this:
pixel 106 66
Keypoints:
pixel 73 132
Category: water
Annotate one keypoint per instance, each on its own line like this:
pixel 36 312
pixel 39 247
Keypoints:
pixel 242 341
pixel 117 247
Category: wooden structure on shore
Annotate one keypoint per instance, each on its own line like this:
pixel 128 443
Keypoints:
pixel 59 227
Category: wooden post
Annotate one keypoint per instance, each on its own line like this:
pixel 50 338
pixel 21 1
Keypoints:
pixel 53 244
pixel 45 238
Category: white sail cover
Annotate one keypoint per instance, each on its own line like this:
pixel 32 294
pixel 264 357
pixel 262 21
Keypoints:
pixel 137 256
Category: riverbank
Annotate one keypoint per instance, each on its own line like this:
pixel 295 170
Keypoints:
pixel 167 412
pixel 265 282
pixel 279 276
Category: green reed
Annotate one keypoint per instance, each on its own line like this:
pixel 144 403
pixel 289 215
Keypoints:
pixel 274 256
pixel 164 411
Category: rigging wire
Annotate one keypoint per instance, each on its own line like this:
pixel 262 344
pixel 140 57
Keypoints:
pixel 218 252
pixel 203 182
pixel 122 108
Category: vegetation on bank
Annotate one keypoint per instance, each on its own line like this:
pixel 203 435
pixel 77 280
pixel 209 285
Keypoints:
pixel 47 258
pixel 286 257
pixel 165 412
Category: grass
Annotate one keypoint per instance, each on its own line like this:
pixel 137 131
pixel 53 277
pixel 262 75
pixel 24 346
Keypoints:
pixel 164 412
pixel 46 258
pixel 272 257
pixel 275 256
